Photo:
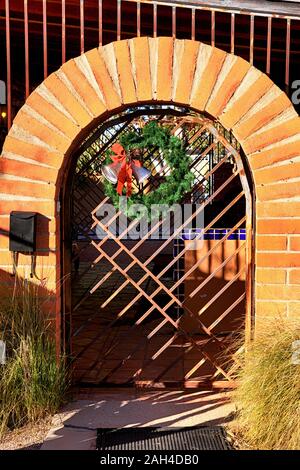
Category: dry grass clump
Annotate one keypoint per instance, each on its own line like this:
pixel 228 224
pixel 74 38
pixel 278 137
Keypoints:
pixel 33 382
pixel 268 392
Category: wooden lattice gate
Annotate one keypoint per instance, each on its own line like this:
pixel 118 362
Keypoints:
pixel 163 311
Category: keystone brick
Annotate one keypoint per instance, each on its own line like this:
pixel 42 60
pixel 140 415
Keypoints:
pixel 186 71
pixel 142 68
pixel 164 69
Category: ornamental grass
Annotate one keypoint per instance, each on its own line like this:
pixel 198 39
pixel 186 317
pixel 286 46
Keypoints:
pixel 33 383
pixel 268 392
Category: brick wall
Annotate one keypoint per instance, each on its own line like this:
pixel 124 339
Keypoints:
pixel 82 92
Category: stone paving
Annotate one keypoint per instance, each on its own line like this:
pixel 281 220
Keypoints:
pixel 75 427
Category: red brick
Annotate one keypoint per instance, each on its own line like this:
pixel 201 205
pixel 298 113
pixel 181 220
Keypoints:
pixel 18 168
pixel 295 243
pixel 271 276
pixel 276 154
pixel 65 96
pixel 262 117
pixel 277 292
pixel 7 282
pixel 274 209
pixel 281 260
pixel 277 173
pixel 270 309
pixel 46 259
pixel 186 72
pixel 49 306
pixel 126 79
pixel 228 87
pixel 271 136
pixel 32 151
pixel 278 226
pixel 44 241
pixel 164 68
pixel 278 191
pixel 43 207
pixel 142 68
pixel 294 310
pixel 243 104
pixel 208 79
pixel 294 276
pixel 53 115
pixel 83 88
pixel 271 243
pixel 103 79
pixel 23 188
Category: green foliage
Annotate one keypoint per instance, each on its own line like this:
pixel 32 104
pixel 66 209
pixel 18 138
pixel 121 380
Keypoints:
pixel 178 183
pixel 268 392
pixel 33 382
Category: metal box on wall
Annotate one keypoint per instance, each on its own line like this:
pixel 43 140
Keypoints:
pixel 22 232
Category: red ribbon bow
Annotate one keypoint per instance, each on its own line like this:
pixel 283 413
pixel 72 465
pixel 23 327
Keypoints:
pixel 125 173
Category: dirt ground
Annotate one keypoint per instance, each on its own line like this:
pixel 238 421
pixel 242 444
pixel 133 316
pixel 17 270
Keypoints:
pixel 29 437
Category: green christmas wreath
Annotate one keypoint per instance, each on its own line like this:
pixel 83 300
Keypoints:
pixel 171 191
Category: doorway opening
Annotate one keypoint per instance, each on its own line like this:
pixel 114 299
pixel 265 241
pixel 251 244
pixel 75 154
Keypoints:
pixel 158 311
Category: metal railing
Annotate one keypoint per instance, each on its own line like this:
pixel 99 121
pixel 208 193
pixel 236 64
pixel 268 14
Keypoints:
pixel 264 33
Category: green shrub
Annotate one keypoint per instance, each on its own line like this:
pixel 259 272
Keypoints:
pixel 33 382
pixel 268 392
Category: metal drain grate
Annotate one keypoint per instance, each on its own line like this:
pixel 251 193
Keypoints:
pixel 191 438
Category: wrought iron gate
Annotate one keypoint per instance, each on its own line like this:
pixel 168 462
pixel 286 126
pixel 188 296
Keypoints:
pixel 161 312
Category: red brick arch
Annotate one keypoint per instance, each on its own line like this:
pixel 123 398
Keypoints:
pixel 85 89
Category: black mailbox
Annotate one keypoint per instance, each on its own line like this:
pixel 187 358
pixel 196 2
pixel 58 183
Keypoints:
pixel 22 231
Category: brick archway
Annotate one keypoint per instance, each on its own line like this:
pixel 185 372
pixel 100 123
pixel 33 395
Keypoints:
pixel 86 89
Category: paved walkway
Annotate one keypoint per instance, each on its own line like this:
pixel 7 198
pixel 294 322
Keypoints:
pixel 75 427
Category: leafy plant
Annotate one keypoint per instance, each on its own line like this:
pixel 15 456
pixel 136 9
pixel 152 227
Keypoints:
pixel 176 184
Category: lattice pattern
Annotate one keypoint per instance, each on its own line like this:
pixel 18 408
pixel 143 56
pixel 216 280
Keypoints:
pixel 138 298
